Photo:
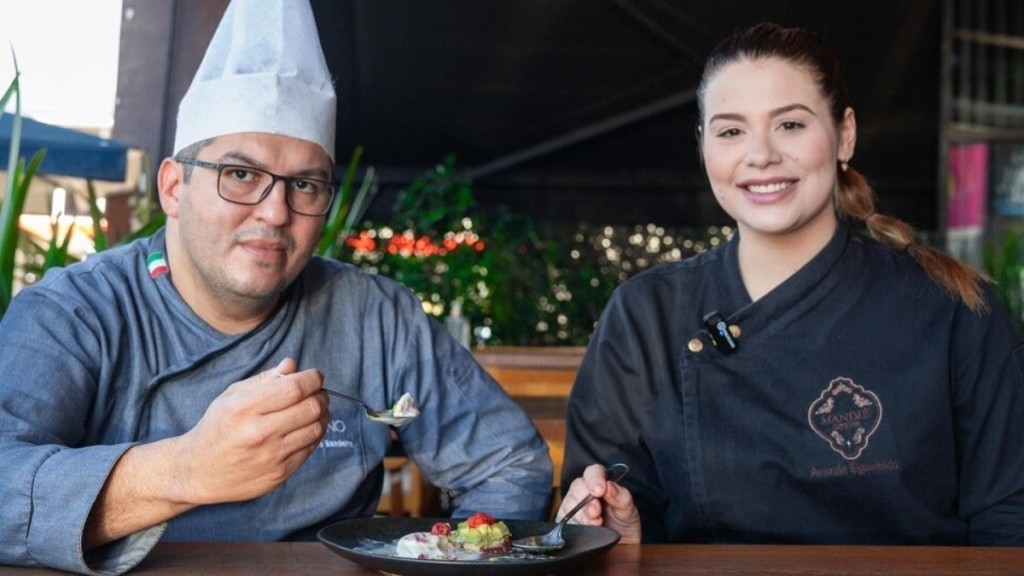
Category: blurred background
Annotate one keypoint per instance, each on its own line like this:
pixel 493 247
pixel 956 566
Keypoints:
pixel 523 157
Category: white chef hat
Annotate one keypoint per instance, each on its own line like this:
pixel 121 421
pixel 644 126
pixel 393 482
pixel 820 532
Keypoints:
pixel 264 71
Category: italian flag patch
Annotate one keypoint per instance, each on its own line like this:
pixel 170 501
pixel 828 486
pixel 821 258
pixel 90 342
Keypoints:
pixel 157 264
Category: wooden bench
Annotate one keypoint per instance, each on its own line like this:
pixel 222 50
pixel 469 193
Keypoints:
pixel 532 372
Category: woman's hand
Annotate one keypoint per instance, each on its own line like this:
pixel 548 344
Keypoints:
pixel 612 506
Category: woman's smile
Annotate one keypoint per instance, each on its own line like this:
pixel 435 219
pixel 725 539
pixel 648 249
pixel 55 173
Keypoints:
pixel 769 192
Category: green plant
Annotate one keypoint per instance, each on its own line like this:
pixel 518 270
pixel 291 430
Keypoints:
pixel 525 262
pixel 19 176
pixel 520 282
pixel 55 254
pixel 1004 263
pixel 348 207
pixel 430 244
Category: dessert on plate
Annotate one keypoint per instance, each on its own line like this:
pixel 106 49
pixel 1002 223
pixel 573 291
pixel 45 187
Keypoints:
pixel 473 538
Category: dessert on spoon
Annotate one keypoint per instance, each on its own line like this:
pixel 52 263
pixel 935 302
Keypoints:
pixel 403 412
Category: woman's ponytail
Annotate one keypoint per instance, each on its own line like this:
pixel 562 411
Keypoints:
pixel 856 199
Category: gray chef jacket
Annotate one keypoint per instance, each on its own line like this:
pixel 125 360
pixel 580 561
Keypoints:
pixel 105 354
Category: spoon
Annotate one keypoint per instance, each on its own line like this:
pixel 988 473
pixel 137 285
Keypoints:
pixel 382 416
pixel 553 540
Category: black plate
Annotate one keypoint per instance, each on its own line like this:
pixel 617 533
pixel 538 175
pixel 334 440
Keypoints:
pixel 356 540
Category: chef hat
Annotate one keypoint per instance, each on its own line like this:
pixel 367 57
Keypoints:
pixel 264 71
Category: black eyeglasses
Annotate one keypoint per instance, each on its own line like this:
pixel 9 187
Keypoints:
pixel 247 185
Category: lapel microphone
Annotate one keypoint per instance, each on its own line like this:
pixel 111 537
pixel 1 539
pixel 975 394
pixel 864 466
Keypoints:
pixel 720 334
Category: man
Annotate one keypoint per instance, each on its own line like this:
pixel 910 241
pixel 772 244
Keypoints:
pixel 173 388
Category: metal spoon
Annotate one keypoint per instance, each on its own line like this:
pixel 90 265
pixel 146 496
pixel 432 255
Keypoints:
pixel 383 416
pixel 553 540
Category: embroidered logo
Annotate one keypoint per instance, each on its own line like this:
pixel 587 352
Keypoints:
pixel 334 438
pixel 157 264
pixel 845 415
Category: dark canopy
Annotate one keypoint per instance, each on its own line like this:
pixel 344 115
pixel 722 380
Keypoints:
pixel 584 110
pixel 575 110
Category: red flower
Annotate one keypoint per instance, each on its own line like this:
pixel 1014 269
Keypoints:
pixel 441 529
pixel 362 242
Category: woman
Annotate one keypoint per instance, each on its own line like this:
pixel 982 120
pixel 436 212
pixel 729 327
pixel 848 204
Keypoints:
pixel 805 382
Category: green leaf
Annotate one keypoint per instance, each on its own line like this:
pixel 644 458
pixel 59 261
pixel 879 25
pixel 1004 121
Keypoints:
pixel 11 90
pixel 348 207
pixel 18 182
pixel 57 254
pixel 98 235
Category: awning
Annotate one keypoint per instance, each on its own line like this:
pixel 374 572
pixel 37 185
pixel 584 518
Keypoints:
pixel 68 152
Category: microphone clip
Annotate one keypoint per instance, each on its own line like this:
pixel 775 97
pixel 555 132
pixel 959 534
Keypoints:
pixel 721 334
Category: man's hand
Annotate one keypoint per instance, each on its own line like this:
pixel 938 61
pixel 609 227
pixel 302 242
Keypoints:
pixel 254 436
pixel 612 506
pixel 250 440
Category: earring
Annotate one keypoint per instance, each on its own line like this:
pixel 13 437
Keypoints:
pixel 844 165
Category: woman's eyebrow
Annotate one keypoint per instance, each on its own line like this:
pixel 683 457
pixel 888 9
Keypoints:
pixel 791 107
pixel 726 116
pixel 736 117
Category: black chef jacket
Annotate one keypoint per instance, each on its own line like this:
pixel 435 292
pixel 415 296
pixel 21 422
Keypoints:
pixel 863 404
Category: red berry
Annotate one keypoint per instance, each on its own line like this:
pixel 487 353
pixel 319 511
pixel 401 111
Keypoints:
pixel 441 529
pixel 479 519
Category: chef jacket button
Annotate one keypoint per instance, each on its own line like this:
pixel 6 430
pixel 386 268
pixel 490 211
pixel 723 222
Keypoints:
pixel 695 345
pixel 734 329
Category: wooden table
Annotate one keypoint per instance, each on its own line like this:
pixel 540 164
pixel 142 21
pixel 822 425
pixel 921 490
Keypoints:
pixel 293 559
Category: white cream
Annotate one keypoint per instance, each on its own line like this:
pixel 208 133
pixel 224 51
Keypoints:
pixel 405 407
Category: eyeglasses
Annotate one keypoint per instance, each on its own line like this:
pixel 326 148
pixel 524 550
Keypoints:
pixel 240 184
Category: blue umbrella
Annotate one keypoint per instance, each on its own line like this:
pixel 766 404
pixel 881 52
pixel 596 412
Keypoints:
pixel 68 152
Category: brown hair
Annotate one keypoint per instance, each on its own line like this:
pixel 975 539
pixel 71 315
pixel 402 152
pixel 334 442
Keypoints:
pixel 855 197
